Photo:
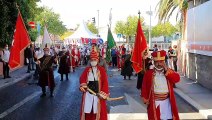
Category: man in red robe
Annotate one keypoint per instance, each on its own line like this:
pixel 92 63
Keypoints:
pixel 73 55
pixel 157 89
pixel 94 77
pixel 78 60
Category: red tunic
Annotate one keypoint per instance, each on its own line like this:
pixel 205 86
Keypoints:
pixel 103 86
pixel 73 63
pixel 78 55
pixel 147 93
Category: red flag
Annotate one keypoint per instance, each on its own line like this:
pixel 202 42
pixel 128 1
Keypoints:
pixel 20 41
pixel 139 47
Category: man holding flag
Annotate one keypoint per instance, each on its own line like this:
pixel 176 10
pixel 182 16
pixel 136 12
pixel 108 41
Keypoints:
pixel 157 88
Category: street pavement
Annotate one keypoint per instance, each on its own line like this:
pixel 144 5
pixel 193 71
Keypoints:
pixel 21 101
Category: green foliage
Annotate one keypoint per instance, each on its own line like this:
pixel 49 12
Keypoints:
pixel 51 20
pixel 92 28
pixel 165 29
pixel 9 12
pixel 29 12
pixel 129 27
pixel 165 8
pixel 120 27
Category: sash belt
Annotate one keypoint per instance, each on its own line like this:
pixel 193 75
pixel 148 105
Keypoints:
pixel 161 97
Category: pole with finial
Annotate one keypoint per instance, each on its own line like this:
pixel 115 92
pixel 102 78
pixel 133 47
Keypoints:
pixel 139 13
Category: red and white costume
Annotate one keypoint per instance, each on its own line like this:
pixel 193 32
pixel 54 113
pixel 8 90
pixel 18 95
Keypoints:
pixel 157 90
pixel 103 52
pixel 93 107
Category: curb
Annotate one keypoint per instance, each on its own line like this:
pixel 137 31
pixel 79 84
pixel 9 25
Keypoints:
pixel 24 77
pixel 207 113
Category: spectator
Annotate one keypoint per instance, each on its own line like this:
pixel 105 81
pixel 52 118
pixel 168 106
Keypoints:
pixel 30 53
pixel 114 57
pixel 175 54
pixel 5 59
pixel 170 52
pixel 155 48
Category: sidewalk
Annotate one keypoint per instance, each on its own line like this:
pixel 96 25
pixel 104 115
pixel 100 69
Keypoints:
pixel 196 95
pixel 16 76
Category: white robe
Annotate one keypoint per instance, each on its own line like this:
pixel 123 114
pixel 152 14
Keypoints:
pixel 161 86
pixel 91 101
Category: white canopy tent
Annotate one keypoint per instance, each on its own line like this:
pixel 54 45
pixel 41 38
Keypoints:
pixel 81 32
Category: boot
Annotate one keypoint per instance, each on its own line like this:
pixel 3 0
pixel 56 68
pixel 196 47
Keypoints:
pixel 51 92
pixel 44 92
pixel 43 95
pixel 67 77
pixel 129 77
pixel 61 77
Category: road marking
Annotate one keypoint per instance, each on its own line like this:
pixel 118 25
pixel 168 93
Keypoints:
pixel 143 116
pixel 13 108
pixel 27 99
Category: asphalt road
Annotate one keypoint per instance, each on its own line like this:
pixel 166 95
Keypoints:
pixel 22 101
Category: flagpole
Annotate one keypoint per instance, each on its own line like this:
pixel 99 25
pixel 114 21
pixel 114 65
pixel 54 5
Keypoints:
pixel 110 18
pixel 19 12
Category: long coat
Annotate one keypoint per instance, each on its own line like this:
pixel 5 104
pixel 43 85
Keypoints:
pixel 46 76
pixel 103 87
pixel 64 65
pixel 147 93
pixel 127 67
pixel 146 65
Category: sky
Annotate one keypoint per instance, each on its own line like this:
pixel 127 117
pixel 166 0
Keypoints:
pixel 73 12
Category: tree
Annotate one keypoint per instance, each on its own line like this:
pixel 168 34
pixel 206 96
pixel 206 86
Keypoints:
pixel 92 28
pixel 163 29
pixel 128 27
pixel 120 27
pixel 9 12
pixel 167 7
pixel 52 21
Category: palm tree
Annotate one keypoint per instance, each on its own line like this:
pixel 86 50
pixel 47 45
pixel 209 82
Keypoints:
pixel 165 9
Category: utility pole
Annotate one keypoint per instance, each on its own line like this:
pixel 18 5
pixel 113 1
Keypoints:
pixel 150 20
pixel 98 23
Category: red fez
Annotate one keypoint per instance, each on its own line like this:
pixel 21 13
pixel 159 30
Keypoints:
pixel 94 54
pixel 159 55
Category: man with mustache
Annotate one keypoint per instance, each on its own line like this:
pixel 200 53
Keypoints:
pixel 157 89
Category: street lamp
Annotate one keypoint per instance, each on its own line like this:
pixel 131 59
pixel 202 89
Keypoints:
pixel 150 14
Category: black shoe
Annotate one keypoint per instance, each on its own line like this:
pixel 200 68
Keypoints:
pixel 61 80
pixel 67 79
pixel 43 95
pixel 28 72
pixel 8 77
pixel 51 95
pixel 4 77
